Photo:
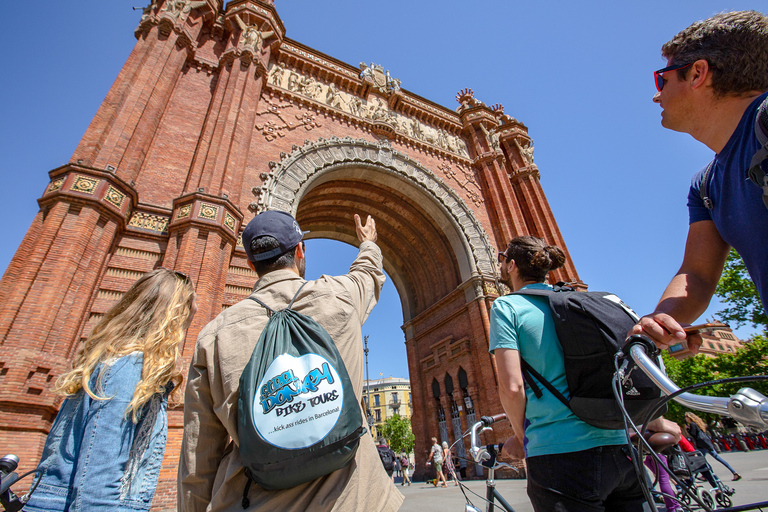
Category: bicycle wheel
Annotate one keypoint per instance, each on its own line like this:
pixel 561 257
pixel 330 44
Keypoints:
pixel 705 498
pixel 723 500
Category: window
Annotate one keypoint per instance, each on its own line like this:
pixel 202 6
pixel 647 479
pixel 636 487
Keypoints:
pixel 394 397
pixel 376 402
pixel 378 415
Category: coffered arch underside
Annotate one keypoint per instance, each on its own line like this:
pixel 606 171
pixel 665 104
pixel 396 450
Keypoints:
pixel 308 168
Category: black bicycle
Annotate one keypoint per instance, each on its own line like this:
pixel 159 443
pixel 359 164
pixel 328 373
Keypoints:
pixel 8 478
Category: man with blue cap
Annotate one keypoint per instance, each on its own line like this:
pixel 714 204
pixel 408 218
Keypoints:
pixel 211 474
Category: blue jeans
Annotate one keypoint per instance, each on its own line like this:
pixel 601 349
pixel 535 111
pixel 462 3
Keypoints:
pixel 595 480
pixel 714 454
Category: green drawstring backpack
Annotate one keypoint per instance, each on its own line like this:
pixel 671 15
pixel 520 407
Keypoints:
pixel 298 417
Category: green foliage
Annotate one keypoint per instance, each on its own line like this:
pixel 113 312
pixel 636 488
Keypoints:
pixel 398 430
pixel 749 360
pixel 737 290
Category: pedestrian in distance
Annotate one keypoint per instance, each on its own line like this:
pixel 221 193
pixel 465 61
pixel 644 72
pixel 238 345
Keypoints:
pixel 388 458
pixel 449 465
pixel 698 431
pixel 405 464
pixel 436 456
pixel 712 87
pixel 106 446
pixel 571 465
pixel 212 477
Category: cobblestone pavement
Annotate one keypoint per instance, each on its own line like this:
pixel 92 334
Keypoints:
pixel 420 497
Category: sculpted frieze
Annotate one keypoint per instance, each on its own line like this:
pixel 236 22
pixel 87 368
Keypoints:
pixel 375 110
pixel 277 122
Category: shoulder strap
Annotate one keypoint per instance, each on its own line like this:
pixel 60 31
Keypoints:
pixel 703 187
pixel 271 311
pixel 529 371
pixel 534 291
pixel 756 173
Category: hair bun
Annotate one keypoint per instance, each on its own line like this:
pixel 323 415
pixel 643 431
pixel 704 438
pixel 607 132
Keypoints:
pixel 556 256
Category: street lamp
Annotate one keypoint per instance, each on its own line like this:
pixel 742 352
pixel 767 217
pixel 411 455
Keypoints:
pixel 367 384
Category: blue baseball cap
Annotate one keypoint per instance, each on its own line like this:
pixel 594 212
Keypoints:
pixel 280 225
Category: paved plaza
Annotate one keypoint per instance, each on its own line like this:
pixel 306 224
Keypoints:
pixel 420 497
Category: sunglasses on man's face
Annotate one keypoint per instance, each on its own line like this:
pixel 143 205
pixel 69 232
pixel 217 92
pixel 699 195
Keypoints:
pixel 657 75
pixel 502 257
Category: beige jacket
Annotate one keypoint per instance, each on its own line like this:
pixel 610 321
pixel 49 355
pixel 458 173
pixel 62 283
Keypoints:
pixel 211 476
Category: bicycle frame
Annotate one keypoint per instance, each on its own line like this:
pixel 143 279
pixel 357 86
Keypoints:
pixel 481 454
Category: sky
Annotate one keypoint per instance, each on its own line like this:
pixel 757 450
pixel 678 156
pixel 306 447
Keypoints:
pixel 578 74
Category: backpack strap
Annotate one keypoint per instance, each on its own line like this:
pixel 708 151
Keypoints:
pixel 297 294
pixel 756 173
pixel 544 382
pixel 271 311
pixel 529 374
pixel 703 187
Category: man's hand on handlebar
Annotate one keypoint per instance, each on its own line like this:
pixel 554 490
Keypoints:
pixel 665 331
pixel 513 448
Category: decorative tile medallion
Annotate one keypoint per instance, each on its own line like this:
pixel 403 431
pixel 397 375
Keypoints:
pixel 56 185
pixel 229 221
pixel 85 185
pixel 156 223
pixel 184 211
pixel 208 211
pixel 114 196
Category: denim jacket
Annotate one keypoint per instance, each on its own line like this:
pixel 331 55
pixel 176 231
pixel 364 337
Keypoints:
pixel 95 458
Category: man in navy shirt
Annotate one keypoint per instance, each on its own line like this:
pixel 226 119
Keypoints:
pixel 715 79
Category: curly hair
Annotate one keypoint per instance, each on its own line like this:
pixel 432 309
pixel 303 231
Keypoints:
pixel 735 44
pixel 534 258
pixel 151 318
pixel 698 421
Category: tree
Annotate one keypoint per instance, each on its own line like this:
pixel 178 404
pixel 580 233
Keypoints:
pixel 398 430
pixel 737 290
pixel 749 360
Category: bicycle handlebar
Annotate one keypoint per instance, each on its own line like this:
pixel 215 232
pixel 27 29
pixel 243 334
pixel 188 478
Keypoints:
pixel 478 453
pixel 747 406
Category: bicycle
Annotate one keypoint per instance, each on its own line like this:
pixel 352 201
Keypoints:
pixel 487 456
pixel 747 406
pixel 8 477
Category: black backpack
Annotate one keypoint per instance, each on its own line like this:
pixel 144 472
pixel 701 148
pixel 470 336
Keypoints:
pixel 591 328
pixel 387 457
pixel 298 417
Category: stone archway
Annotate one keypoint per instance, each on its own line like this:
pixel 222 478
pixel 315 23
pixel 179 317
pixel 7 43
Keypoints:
pixel 312 164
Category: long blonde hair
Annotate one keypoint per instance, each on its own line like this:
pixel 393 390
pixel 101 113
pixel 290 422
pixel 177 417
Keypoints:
pixel 698 421
pixel 150 318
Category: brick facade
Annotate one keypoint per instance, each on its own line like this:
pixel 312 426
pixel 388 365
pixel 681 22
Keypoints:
pixel 216 116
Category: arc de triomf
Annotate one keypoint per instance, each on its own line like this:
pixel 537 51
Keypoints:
pixel 215 116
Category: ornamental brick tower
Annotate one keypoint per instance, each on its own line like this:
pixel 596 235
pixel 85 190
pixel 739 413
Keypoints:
pixel 216 116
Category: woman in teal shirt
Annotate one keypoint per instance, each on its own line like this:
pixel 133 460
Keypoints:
pixel 572 466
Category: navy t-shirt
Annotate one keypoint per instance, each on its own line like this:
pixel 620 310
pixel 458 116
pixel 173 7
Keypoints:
pixel 739 212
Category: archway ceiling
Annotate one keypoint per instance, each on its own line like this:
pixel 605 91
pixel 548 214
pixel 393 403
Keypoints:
pixel 417 253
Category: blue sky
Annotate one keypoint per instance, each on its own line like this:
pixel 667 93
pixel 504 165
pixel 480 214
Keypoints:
pixel 578 74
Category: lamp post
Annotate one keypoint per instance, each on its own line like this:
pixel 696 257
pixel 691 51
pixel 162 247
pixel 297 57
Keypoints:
pixel 367 384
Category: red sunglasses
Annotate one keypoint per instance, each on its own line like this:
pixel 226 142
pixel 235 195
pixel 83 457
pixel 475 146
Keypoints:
pixel 660 79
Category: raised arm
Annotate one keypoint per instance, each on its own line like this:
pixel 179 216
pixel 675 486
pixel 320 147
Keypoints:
pixel 688 294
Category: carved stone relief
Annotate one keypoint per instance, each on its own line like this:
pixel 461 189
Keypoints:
pixel 250 35
pixel 374 110
pixel 288 179
pixel 180 9
pixel 280 123
pixel 468 179
pixel 380 79
pixel 527 154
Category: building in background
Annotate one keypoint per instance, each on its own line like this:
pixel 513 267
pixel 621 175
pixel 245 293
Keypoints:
pixel 721 341
pixel 389 397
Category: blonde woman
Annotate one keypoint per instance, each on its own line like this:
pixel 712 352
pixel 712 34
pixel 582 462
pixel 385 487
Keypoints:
pixel 106 445
pixel 698 430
